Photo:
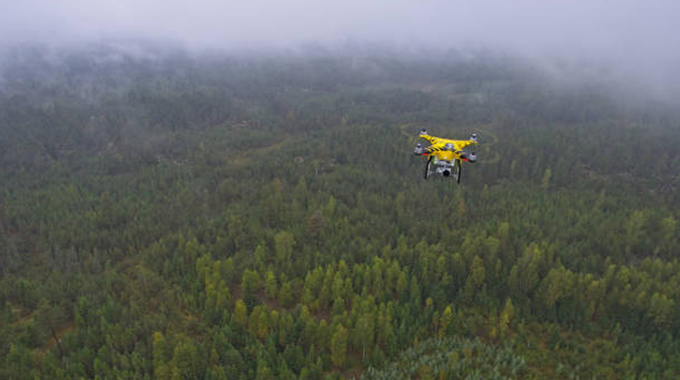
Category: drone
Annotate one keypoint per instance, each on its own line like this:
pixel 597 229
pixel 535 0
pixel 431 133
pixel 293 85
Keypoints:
pixel 445 157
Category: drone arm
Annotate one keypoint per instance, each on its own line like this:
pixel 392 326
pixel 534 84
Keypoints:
pixel 432 140
pixel 460 144
pixel 420 151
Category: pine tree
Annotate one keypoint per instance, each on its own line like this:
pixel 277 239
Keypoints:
pixel 161 355
pixel 285 296
pixel 241 312
pixel 270 285
pixel 339 346
pixel 445 321
pixel 506 317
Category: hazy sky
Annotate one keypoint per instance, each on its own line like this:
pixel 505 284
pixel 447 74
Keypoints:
pixel 644 34
pixel 611 25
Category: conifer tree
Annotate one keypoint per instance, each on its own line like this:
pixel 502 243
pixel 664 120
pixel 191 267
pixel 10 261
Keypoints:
pixel 339 346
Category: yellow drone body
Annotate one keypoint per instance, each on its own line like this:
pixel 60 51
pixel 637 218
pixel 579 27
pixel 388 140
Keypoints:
pixel 445 156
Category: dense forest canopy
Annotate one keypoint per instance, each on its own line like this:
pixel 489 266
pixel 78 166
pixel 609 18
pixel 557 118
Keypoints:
pixel 172 215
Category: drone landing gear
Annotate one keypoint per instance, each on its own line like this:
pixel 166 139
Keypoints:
pixel 452 171
pixel 459 169
pixel 427 167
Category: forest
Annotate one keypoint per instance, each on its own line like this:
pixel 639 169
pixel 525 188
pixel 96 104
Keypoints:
pixel 172 215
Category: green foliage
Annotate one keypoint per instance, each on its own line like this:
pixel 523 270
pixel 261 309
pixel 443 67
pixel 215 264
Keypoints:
pixel 339 346
pixel 452 358
pixel 247 218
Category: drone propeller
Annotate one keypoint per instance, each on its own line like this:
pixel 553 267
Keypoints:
pixel 473 137
pixel 472 157
pixel 419 151
pixel 423 131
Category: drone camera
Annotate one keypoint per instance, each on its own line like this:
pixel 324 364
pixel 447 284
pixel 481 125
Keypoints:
pixel 446 173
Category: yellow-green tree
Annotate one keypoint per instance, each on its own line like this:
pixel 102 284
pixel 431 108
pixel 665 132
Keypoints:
pixel 339 346
pixel 241 312
pixel 506 317
pixel 445 321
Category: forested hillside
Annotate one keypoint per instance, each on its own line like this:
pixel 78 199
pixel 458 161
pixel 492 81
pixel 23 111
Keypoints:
pixel 176 216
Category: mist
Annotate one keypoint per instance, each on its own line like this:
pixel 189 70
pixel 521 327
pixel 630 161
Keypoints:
pixel 633 41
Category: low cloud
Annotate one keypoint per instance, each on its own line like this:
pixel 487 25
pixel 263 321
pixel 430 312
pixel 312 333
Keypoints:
pixel 638 39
